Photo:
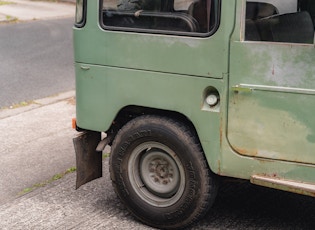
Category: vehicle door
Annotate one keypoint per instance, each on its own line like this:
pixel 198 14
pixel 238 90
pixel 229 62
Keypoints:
pixel 271 111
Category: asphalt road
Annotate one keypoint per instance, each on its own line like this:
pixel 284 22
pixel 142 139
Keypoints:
pixel 95 206
pixel 36 60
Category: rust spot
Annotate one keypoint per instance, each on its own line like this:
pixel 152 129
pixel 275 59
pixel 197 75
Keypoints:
pixel 270 175
pixel 219 167
pixel 247 152
pixel 221 130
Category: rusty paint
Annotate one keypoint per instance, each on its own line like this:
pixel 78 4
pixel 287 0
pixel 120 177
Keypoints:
pixel 270 175
pixel 247 152
pixel 219 167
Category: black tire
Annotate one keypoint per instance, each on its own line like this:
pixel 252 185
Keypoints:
pixel 159 171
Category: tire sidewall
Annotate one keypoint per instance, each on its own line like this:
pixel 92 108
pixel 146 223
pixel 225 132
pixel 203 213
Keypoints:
pixel 178 141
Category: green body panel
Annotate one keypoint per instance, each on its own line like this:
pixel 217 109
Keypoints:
pixel 117 69
pixel 266 130
pixel 161 53
pixel 187 98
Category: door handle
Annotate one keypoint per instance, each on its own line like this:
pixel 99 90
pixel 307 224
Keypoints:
pixel 84 67
pixel 242 88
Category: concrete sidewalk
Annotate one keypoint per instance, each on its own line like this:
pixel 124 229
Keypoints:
pixel 36 143
pixel 26 10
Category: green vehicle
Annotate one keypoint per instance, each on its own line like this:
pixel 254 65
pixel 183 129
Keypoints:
pixel 192 91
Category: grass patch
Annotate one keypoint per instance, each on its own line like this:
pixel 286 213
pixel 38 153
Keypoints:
pixel 55 177
pixel 19 105
pixel 105 155
pixel 9 19
pixel 5 3
pixel 43 184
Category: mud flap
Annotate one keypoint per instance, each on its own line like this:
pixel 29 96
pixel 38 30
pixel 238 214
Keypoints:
pixel 88 160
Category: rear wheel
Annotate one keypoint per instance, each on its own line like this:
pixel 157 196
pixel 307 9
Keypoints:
pixel 159 171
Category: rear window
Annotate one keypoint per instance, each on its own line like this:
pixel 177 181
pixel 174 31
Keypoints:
pixel 179 17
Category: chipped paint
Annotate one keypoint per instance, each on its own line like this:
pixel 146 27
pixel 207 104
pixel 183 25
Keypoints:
pixel 243 151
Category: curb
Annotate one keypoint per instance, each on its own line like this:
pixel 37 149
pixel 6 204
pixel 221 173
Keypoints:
pixel 35 104
pixel 7 18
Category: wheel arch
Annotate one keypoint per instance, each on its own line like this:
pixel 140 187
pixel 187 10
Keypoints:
pixel 211 152
pixel 130 112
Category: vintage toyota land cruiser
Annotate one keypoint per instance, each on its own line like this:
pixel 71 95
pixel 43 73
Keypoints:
pixel 191 91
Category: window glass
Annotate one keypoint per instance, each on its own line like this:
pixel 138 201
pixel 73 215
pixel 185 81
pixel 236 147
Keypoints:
pixel 196 17
pixel 290 21
pixel 79 14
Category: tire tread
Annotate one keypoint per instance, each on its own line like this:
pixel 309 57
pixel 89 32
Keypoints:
pixel 209 184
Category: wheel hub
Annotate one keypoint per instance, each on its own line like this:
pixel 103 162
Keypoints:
pixel 156 174
pixel 159 173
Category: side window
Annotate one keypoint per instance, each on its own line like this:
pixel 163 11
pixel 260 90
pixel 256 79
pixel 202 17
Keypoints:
pixel 80 13
pixel 290 21
pixel 182 17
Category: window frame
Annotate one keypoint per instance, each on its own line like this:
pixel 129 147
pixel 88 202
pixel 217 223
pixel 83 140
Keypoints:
pixel 217 18
pixel 82 22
